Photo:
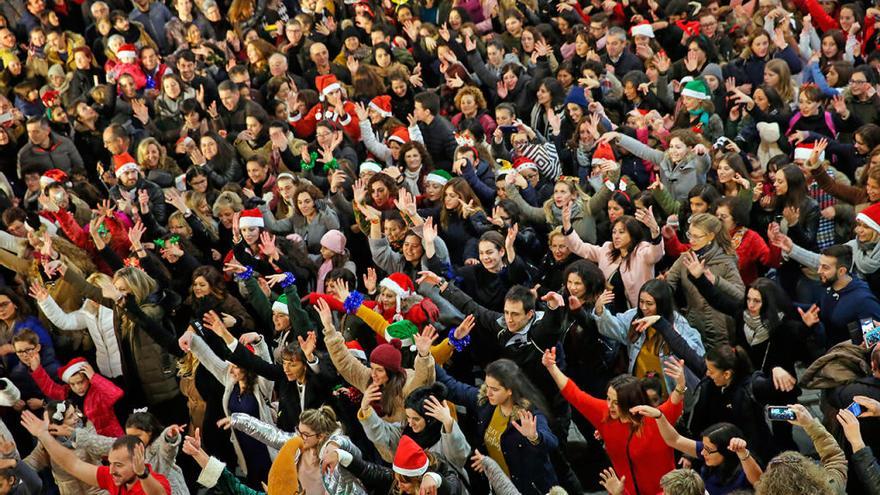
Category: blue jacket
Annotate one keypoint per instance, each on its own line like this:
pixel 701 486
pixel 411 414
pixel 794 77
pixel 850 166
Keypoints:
pixel 529 465
pixel 753 67
pixel 18 372
pixel 839 309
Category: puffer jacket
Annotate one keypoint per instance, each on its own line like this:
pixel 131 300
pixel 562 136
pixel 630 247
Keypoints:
pixel 842 364
pixel 716 328
pixel 337 481
pixel 311 232
pixel 678 178
pixel 147 366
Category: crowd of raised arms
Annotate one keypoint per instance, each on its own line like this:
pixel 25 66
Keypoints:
pixel 439 247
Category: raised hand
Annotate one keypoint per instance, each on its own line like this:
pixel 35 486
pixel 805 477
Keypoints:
pixel 438 410
pixel 694 265
pixel 554 300
pixel 646 411
pixel 428 277
pixel 326 314
pixel 527 425
pixel 424 339
pixel 372 394
pixel 811 316
pixel 465 327
pixel 370 279
pixel 267 245
pixel 645 323
pixel 674 368
pixel 308 345
pixel 548 359
pixel 606 297
pixel 38 291
pixel 851 429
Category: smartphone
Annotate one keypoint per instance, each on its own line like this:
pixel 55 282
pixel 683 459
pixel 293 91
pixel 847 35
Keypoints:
pixel 855 408
pixel 507 129
pixel 721 142
pixel 780 413
pixel 871 337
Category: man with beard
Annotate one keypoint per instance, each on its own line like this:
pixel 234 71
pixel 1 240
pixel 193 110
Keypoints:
pixel 126 474
pixel 130 181
pixel 847 300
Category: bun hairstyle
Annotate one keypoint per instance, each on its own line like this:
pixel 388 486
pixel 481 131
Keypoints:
pixel 321 420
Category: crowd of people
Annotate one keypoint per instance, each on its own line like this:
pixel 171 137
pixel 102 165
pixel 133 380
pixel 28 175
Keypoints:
pixel 342 247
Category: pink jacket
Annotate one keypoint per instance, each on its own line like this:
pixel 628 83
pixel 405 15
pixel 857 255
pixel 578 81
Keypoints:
pixel 98 404
pixel 634 274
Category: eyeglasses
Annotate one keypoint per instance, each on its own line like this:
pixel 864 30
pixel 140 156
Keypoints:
pixel 853 81
pixel 322 134
pixel 27 352
pixel 707 451
pixel 305 436
pixel 691 235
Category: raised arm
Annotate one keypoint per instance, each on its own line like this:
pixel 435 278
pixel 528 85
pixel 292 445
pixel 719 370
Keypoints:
pixel 64 457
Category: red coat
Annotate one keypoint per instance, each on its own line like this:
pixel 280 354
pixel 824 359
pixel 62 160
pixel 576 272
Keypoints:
pixel 752 254
pixel 644 450
pixel 304 127
pixel 98 403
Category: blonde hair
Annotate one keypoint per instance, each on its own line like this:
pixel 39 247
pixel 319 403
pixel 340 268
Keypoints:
pixel 786 87
pixel 193 199
pixel 227 199
pixel 790 473
pixel 142 151
pixel 711 224
pixel 180 218
pixel 574 188
pixel 322 420
pixel 140 285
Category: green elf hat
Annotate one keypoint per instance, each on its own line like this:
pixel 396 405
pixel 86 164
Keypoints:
pixel 697 89
pixel 280 305
pixel 440 177
pixel 403 330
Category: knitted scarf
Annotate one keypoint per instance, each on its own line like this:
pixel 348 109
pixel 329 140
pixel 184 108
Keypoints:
pixel 411 180
pixel 754 328
pixel 866 256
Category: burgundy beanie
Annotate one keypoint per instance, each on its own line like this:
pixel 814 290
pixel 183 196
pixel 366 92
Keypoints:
pixel 388 356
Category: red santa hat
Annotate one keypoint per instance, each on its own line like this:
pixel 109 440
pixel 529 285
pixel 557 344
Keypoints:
pixel 521 163
pixel 52 176
pixel 400 284
pixel 603 153
pixel 400 135
pixel 870 216
pixel 326 85
pixel 124 162
pixel 126 50
pixel 410 460
pixel 382 105
pixel 356 350
pixel 73 367
pixel 250 218
pixel 642 29
pixel 803 151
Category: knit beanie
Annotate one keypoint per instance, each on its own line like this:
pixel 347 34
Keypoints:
pixel 713 70
pixel 334 240
pixel 388 356
pixel 577 96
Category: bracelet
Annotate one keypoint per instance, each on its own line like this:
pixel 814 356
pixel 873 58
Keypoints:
pixel 247 274
pixel 458 344
pixel 289 279
pixel 681 391
pixel 331 165
pixel 748 454
pixel 353 302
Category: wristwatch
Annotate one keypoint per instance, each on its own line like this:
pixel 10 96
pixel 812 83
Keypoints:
pixel 145 475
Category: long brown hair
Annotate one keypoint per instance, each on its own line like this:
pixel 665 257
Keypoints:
pixel 464 192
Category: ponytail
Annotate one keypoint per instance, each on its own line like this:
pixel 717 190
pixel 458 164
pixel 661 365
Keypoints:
pixel 728 358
